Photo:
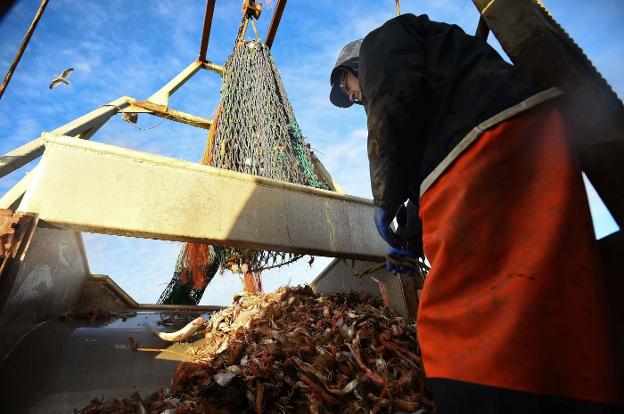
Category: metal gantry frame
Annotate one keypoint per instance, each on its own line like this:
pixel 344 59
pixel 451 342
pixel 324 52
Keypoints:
pixel 513 34
pixel 302 219
pixel 87 125
pixel 157 104
pixel 131 193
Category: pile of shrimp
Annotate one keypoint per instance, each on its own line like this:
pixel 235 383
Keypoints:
pixel 295 351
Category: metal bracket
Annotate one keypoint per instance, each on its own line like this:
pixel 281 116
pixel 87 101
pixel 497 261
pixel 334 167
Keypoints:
pixel 252 9
pixel 16 232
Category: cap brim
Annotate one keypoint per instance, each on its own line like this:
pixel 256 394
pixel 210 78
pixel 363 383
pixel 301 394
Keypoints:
pixel 338 98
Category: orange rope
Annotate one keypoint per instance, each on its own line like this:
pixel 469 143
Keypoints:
pixel 206 158
pixel 197 256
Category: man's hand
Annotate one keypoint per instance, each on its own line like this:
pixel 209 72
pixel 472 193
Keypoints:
pixel 401 262
pixel 383 218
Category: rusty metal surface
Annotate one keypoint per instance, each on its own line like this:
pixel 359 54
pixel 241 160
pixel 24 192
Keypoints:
pixel 62 365
pixel 16 231
pixel 45 283
pixel 275 21
pixel 203 48
pixel 252 9
pixel 539 46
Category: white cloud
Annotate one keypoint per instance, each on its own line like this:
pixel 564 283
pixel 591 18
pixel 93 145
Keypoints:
pixel 83 67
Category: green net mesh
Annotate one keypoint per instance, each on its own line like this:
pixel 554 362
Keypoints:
pixel 255 133
pixel 258 133
pixel 181 290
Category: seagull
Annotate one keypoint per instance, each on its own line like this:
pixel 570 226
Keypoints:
pixel 62 78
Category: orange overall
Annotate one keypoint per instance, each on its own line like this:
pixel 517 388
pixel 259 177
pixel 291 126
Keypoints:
pixel 515 297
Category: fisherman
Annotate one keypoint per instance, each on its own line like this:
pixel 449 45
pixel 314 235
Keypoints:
pixel 512 316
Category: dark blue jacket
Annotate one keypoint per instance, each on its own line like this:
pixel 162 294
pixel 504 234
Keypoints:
pixel 426 85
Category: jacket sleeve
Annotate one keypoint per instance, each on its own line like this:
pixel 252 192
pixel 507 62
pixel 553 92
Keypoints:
pixel 392 79
pixel 411 229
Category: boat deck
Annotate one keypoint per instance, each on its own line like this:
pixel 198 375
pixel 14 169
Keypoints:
pixel 62 365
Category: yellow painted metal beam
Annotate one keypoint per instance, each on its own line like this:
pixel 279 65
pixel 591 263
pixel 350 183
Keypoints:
pixel 10 199
pixel 86 124
pixel 101 188
pixel 20 156
pixel 213 67
pixel 172 114
pixel 161 97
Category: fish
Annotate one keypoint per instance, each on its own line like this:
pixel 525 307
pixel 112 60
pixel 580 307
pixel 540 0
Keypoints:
pixel 181 334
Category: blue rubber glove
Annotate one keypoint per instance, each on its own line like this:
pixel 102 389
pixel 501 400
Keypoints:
pixel 402 269
pixel 383 218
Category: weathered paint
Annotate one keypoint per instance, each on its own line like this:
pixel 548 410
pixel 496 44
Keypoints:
pixel 338 278
pixel 90 186
pixel 47 282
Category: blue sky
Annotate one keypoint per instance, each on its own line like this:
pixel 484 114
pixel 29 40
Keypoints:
pixel 133 48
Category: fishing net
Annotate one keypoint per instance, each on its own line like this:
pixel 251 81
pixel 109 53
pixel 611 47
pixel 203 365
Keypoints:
pixel 187 284
pixel 254 132
pixel 258 133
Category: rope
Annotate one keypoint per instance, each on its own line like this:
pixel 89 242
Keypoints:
pixel 120 111
pixel 149 127
pixel 368 270
pixel 253 25
pixel 254 132
pixel 421 268
pixel 240 37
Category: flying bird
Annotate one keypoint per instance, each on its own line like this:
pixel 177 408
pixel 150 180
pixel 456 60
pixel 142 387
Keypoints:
pixel 62 78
